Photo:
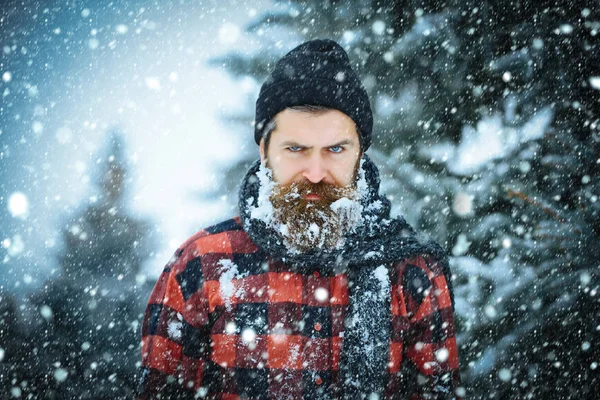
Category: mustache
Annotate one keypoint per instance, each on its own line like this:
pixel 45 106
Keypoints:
pixel 297 191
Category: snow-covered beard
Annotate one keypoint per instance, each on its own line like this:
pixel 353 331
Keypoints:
pixel 308 225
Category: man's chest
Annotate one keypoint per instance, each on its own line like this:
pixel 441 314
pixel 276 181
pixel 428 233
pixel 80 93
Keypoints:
pixel 256 328
pixel 274 317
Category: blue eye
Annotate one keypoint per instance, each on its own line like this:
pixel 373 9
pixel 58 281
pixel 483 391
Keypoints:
pixel 294 149
pixel 336 149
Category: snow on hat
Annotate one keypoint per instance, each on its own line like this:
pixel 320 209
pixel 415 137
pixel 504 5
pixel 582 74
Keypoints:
pixel 317 72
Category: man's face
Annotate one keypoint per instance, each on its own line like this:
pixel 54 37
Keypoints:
pixel 321 147
pixel 314 160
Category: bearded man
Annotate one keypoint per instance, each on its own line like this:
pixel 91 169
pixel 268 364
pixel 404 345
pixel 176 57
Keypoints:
pixel 314 291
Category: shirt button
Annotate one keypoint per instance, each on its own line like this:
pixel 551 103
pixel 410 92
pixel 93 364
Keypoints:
pixel 318 380
pixel 317 327
pixel 316 274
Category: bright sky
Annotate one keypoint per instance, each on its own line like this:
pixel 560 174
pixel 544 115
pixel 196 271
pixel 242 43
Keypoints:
pixel 170 110
pixel 170 106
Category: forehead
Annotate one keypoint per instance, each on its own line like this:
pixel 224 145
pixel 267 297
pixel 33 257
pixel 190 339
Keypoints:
pixel 326 127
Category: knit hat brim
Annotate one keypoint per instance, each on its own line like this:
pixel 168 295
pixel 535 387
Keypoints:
pixel 318 92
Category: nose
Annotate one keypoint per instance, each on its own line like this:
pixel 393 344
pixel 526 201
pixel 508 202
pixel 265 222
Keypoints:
pixel 315 170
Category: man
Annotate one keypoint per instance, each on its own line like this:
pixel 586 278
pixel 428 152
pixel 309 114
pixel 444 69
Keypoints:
pixel 313 292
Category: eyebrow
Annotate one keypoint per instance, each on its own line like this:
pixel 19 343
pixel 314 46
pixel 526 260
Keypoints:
pixel 290 143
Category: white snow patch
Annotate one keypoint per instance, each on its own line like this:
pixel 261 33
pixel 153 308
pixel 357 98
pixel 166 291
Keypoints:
pixel 504 374
pixel 121 29
pixel 229 272
pixel 230 328
pixel 372 254
pixel 585 346
pixel 249 85
pixel 7 76
pixel 46 312
pixel 314 229
pixel 381 273
pixel 93 43
pixel 264 209
pixel 321 295
pixel 174 329
pixel 461 246
pixel 479 146
pixel 442 354
pixel 1 354
pixel 440 152
pixel 248 335
pixel 490 140
pixel 566 29
pixel 33 91
pixel 60 374
pixel 595 82
pixel 585 278
pixel 16 246
pixel 37 127
pixel 538 43
pixel 348 37
pixel 490 311
pixel 295 353
pixel 462 204
pixel 18 205
pixel 229 33
pixel 349 210
pixel 362 186
pixel 284 230
pixel 152 83
pixel 378 27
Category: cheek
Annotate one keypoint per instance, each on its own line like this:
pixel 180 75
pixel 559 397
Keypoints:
pixel 284 172
pixel 344 173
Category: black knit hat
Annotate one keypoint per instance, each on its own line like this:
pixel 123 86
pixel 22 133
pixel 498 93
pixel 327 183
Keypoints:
pixel 317 72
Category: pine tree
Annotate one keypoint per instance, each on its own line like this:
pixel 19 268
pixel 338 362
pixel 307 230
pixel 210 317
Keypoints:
pixel 540 216
pixel 487 137
pixel 87 336
pixel 13 351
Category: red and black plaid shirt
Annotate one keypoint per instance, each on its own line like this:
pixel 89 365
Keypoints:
pixel 271 333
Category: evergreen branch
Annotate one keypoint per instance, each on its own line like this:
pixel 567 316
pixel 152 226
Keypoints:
pixel 547 210
pixel 515 193
pixel 270 19
pixel 547 236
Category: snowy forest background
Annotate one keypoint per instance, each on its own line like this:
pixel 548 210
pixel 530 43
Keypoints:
pixel 126 126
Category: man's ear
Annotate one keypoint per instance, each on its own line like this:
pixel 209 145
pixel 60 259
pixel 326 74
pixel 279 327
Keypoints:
pixel 261 149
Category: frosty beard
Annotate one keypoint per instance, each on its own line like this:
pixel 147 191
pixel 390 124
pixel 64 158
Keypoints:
pixel 306 225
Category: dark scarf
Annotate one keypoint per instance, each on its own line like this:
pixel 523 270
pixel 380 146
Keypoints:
pixel 379 241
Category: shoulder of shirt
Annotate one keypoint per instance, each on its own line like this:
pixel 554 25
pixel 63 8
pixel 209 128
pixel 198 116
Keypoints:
pixel 229 225
pixel 431 263
pixel 432 253
pixel 227 237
